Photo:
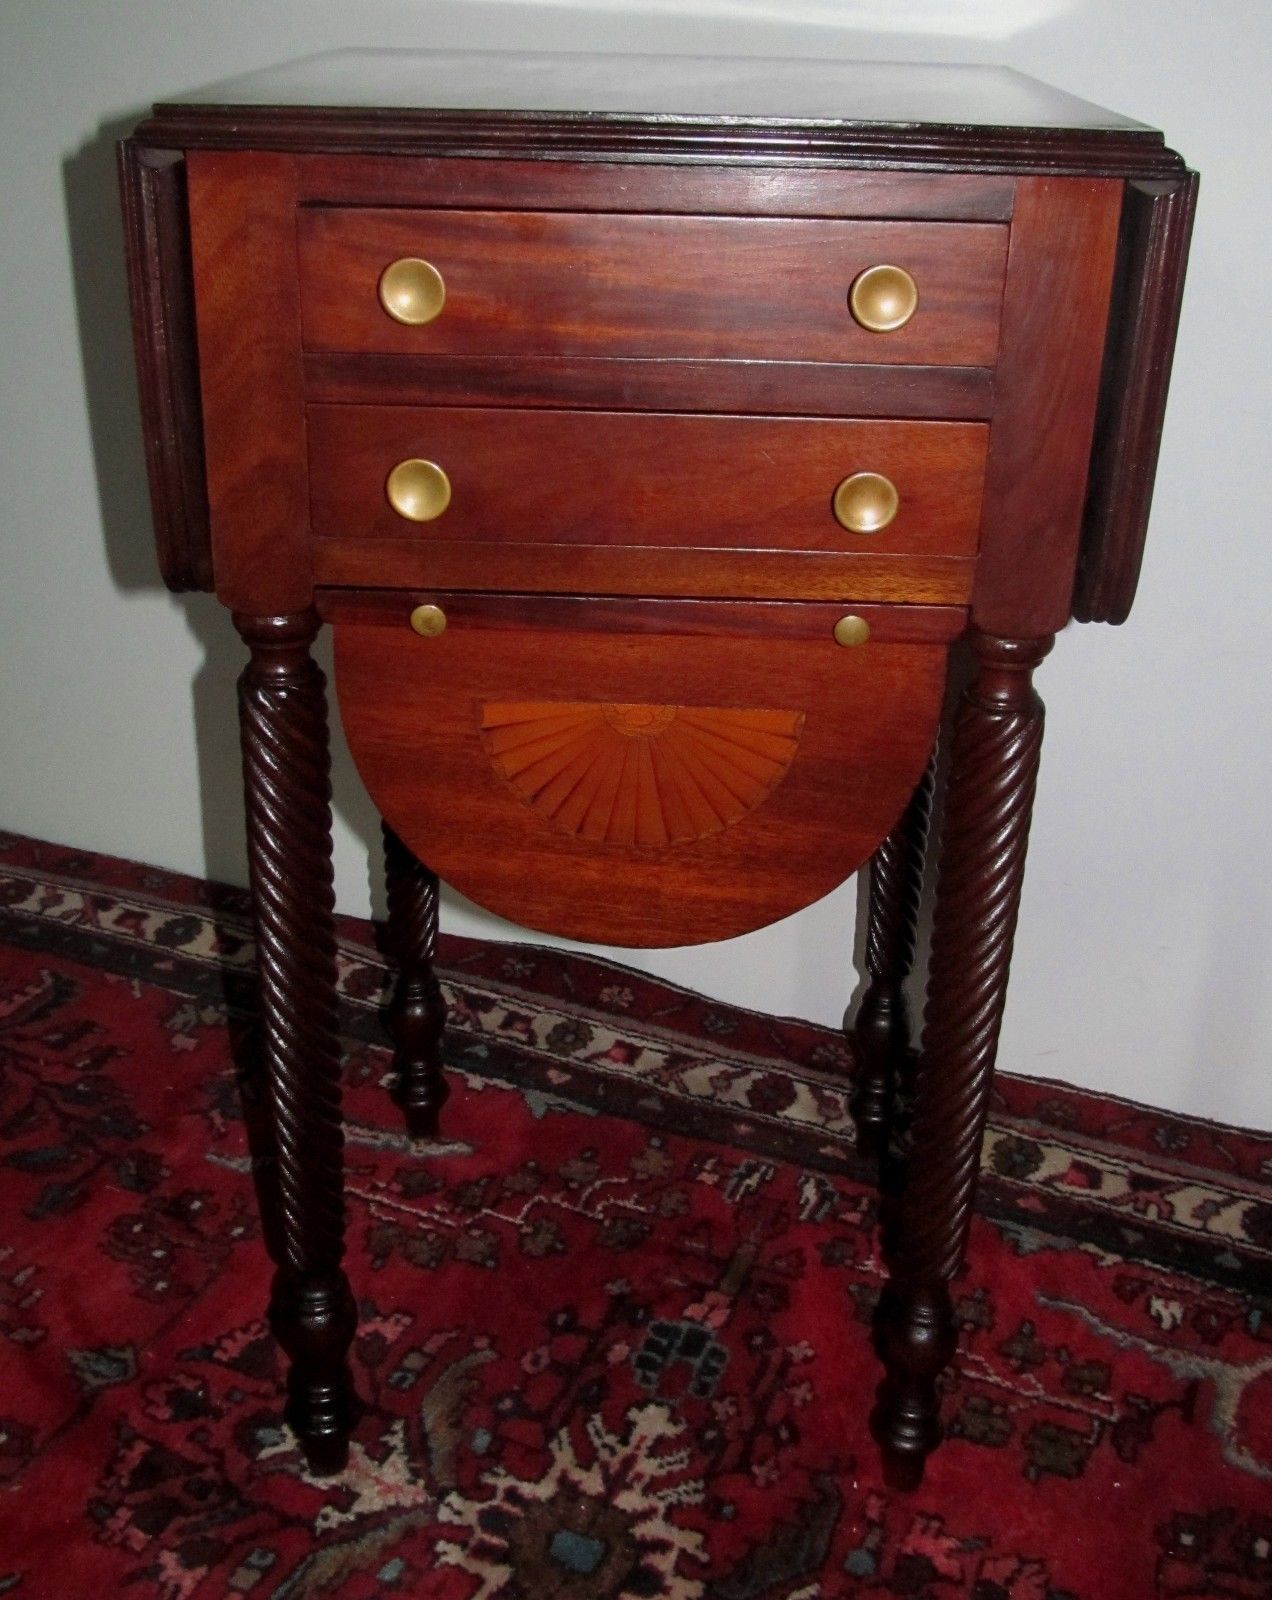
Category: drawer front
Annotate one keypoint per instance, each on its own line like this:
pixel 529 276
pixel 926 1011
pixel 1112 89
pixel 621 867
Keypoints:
pixel 631 478
pixel 638 772
pixel 570 284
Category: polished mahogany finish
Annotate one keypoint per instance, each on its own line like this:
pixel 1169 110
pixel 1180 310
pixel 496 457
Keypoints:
pixel 603 383
pixel 629 478
pixel 682 619
pixel 545 283
pixel 906 117
pixel 1157 219
pixel 152 189
pixel 750 189
pixel 652 786
pixel 1055 311
pixel 243 248
pixel 566 567
pixel 575 485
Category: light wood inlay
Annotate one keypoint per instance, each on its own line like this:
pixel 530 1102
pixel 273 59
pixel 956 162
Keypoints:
pixel 633 774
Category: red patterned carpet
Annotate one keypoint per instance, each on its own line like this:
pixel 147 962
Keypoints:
pixel 614 1334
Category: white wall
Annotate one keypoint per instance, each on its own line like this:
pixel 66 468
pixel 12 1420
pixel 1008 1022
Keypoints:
pixel 1143 962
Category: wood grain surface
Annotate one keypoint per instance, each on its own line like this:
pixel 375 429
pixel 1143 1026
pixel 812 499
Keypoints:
pixel 569 283
pixel 161 296
pixel 636 727
pixel 701 619
pixel 1157 220
pixel 608 383
pixel 644 570
pixel 414 710
pixel 1055 311
pixel 674 188
pixel 243 240
pixel 822 116
pixel 628 478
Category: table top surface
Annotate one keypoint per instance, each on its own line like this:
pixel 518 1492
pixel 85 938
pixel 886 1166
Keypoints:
pixel 852 93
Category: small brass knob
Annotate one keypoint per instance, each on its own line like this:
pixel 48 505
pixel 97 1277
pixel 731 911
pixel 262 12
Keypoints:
pixel 418 490
pixel 851 630
pixel 412 291
pixel 883 298
pixel 428 621
pixel 866 502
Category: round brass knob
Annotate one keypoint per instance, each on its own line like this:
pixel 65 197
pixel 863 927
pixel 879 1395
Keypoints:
pixel 428 621
pixel 412 291
pixel 418 490
pixel 851 630
pixel 883 298
pixel 866 502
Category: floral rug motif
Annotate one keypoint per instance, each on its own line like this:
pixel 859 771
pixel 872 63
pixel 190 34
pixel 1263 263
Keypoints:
pixel 615 1323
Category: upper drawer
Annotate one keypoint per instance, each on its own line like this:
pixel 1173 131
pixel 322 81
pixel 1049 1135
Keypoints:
pixel 578 284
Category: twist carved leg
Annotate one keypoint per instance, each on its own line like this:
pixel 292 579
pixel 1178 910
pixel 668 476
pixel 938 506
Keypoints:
pixel 993 773
pixel 882 1029
pixel 417 1013
pixel 283 720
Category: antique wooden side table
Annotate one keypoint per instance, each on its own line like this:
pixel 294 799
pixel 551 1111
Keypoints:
pixel 648 431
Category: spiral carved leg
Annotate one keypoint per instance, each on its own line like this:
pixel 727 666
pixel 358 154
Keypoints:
pixel 994 770
pixel 417 1012
pixel 882 1029
pixel 283 720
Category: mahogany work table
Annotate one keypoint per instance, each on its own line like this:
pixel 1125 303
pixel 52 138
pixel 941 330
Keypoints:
pixel 648 431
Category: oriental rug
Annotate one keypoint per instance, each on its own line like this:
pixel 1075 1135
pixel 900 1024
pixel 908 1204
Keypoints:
pixel 614 1335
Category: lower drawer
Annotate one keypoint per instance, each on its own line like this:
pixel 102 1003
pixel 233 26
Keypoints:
pixel 638 772
pixel 511 476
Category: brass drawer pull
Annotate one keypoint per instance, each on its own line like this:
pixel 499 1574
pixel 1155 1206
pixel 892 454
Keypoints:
pixel 851 631
pixel 418 490
pixel 865 502
pixel 428 621
pixel 412 291
pixel 883 298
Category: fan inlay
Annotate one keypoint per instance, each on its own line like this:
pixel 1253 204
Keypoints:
pixel 645 775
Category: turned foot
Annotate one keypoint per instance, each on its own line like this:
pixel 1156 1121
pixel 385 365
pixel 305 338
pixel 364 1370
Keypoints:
pixel 916 1340
pixel 420 1102
pixel 314 1320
